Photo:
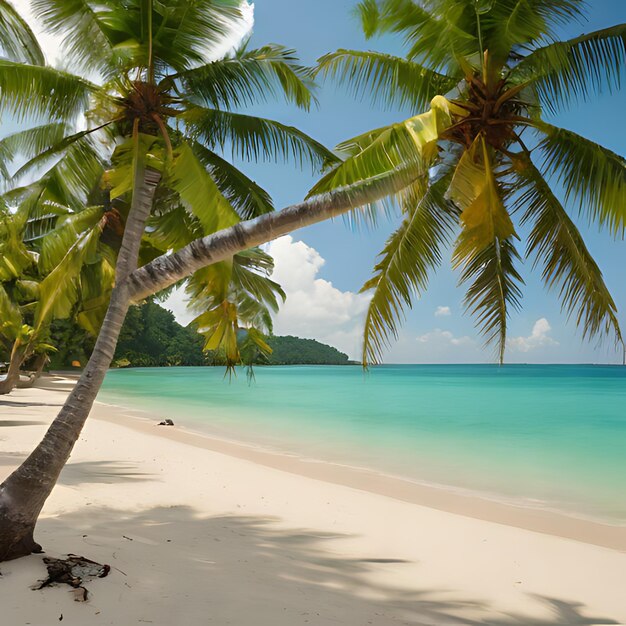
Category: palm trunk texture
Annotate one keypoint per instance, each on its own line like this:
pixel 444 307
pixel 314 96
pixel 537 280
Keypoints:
pixel 23 493
pixel 34 375
pixel 13 373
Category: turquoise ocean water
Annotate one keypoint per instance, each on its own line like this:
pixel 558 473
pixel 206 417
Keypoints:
pixel 544 435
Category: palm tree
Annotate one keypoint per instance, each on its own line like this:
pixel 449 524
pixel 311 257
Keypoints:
pixel 488 71
pixel 153 113
pixel 17 284
pixel 49 273
pixel 15 290
pixel 397 161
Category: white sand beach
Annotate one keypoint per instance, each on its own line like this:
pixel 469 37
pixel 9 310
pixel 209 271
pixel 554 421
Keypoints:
pixel 199 531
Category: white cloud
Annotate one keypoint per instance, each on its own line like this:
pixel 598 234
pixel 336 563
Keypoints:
pixel 314 307
pixel 538 338
pixel 177 304
pixel 237 34
pixel 443 337
pixel 436 346
pixel 443 311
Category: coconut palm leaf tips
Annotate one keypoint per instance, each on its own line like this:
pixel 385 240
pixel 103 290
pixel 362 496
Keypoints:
pixel 487 72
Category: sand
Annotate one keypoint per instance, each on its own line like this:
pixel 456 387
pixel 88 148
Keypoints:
pixel 202 531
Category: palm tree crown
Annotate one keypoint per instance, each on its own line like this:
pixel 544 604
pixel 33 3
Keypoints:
pixel 482 160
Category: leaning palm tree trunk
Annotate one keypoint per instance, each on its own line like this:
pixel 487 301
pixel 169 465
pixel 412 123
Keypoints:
pixel 13 373
pixel 34 375
pixel 24 492
pixel 168 269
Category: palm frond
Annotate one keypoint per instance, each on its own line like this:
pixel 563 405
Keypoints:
pixel 199 192
pixel 245 195
pixel 83 28
pixel 255 138
pixel 95 283
pixel 494 290
pixel 592 175
pixel 475 190
pixel 10 315
pixel 248 78
pixel 409 145
pixel 40 225
pixel 17 40
pixel 52 145
pixel 567 71
pixel 510 25
pixel 35 91
pixel 59 290
pixel 368 13
pixel 232 294
pixel 14 257
pixel 57 242
pixel 568 266
pixel 484 249
pixel 67 183
pixel 31 141
pixel 207 292
pixel 187 31
pixel 251 271
pixel 393 16
pixel 390 80
pixel 126 162
pixel 172 229
pixel 407 260
pixel 437 34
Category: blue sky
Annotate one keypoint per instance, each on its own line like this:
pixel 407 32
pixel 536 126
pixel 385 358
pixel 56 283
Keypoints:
pixel 314 28
pixel 323 267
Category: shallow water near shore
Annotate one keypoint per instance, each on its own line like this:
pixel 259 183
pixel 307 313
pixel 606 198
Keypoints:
pixel 548 436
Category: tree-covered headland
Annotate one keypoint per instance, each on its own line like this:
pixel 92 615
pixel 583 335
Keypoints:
pixel 151 337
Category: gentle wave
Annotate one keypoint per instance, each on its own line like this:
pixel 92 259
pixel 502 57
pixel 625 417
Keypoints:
pixel 547 436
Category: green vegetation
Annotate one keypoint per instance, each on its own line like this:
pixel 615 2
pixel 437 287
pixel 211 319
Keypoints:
pixel 482 161
pixel 52 267
pixel 291 350
pixel 151 337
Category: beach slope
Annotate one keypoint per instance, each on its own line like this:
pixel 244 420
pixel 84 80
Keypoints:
pixel 198 536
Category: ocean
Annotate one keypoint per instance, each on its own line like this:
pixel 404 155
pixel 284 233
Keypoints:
pixel 547 436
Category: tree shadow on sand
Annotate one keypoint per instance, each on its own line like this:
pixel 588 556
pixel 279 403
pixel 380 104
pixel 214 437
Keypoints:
pixel 235 567
pixel 105 472
pixel 17 404
pixel 12 458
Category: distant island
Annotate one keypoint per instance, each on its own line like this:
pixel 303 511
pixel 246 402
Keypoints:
pixel 151 337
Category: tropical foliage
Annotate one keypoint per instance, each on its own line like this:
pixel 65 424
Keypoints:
pixel 131 100
pixel 50 268
pixel 151 337
pixel 290 350
pixel 486 161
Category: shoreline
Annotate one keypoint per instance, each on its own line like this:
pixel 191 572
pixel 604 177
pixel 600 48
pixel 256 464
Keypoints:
pixel 200 531
pixel 439 497
pixel 446 498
